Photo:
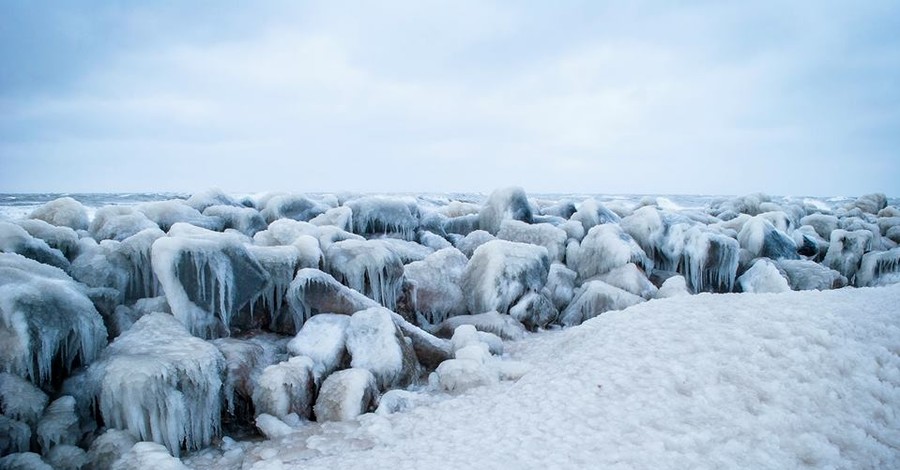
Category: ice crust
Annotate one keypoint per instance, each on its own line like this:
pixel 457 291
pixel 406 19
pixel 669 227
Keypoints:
pixel 500 272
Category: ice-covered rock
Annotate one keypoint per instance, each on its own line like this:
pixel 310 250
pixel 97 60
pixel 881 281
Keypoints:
pixel 24 461
pixel 203 200
pixel 534 310
pixel 313 291
pixel 368 267
pixel 468 244
pixel 66 457
pixel 280 264
pixel 15 239
pixel 285 388
pixel 438 280
pixel 323 339
pixel 62 212
pixel 346 394
pixel 108 448
pixel 462 225
pixel 165 214
pixel 148 455
pixel 504 204
pixel 594 298
pixel 272 427
pixel 504 326
pixel 430 350
pixel 870 203
pixel 762 239
pixel 381 215
pixel 606 247
pixel 407 251
pixel 824 224
pixel 673 287
pixel 245 360
pixel 161 384
pixel 459 375
pixel 375 343
pixel 340 217
pixel 591 213
pixel 560 286
pixel 20 399
pixel 846 250
pixel 500 272
pixel 15 436
pixel 243 219
pixel 545 235
pixel 292 206
pixel 763 277
pixel 118 223
pixel 47 323
pixel 710 261
pixel 61 238
pixel 879 268
pixel 630 278
pixel 207 277
pixel 809 275
pixel 433 241
pixel 59 424
pixel 397 401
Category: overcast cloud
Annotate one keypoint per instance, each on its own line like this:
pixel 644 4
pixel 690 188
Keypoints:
pixel 792 98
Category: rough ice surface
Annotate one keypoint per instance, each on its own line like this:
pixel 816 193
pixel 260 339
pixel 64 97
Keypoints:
pixel 63 239
pixel 560 286
pixel 594 298
pixel 501 325
pixel 472 241
pixel 245 360
pixel 323 339
pixel 606 247
pixel 148 455
pixel 397 401
pixel 20 399
pixel 15 239
pixel 118 223
pixel 377 345
pixel 47 324
pixel 438 280
pixel 346 394
pixel 59 425
pixel 292 206
pixel 504 204
pixel 846 250
pixel 15 436
pixel 591 213
pixel 340 217
pixel 500 272
pixel 246 220
pixel 369 267
pixel 673 287
pixel 430 350
pixel 630 278
pixel 407 251
pixel 24 461
pixel 535 310
pixel 108 448
pixel 763 277
pixel 710 261
pixel 66 457
pixel 63 212
pixel 165 214
pixel 879 268
pixel 162 384
pixel 459 375
pixel 379 215
pixel 285 388
pixel 280 264
pixel 809 275
pixel 313 291
pixel 545 235
pixel 762 239
pixel 824 224
pixel 205 199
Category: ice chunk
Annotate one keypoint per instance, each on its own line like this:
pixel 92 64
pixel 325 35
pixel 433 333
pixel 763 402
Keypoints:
pixel 630 278
pixel 368 267
pixel 285 388
pixel 108 448
pixel 462 225
pixel 118 223
pixel 846 250
pixel 500 272
pixel 606 247
pixel 380 215
pixel 206 279
pixel 24 461
pixel 14 239
pixel 148 455
pixel 762 239
pixel 459 375
pixel 63 239
pixel 272 427
pixel 245 360
pixel 504 326
pixel 763 277
pixel 592 213
pixel 504 204
pixel 870 203
pixel 292 206
pixel 459 208
pixel 211 197
pixel 243 219
pixel 879 268
pixel 408 252
pixel 660 234
pixel 59 425
pixel 438 280
pixel 472 241
pixel 62 212
pixel 560 287
pixel 534 310
pixel 545 235
pixel 280 264
pixel 430 350
pixel 66 457
pixel 672 287
pixel 313 291
pixel 433 241
pixel 823 224
pixel 15 436
pixel 376 344
pixel 48 325
pixel 162 384
pixel 340 217
pixel 397 401
pixel 323 339
pixel 346 394
pixel 20 399
pixel 893 234
pixel 710 261
pixel 594 298
pixel 165 214
pixel 809 275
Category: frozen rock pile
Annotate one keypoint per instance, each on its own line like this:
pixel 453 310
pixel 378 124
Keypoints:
pixel 176 322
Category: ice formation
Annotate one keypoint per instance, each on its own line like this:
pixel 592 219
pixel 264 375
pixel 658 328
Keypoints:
pixel 591 213
pixel 313 291
pixel 14 239
pixel 762 239
pixel 594 298
pixel 545 235
pixel 323 339
pixel 59 424
pixel 339 217
pixel 468 244
pixel 280 264
pixel 504 326
pixel 846 250
pixel 292 206
pixel 165 214
pixel 379 215
pixel 809 275
pixel 15 436
pixel 824 224
pixel 606 247
pixel 60 238
pixel 438 280
pixel 879 268
pixel 161 384
pixel 245 360
pixel 504 204
pixel 560 286
pixel 377 345
pixel 673 287
pixel 47 323
pixel 243 219
pixel 203 200
pixel 24 461
pixel 369 267
pixel 630 278
pixel 710 261
pixel 500 272
pixel 534 310
pixel 148 455
pixel 118 223
pixel 63 212
pixel 346 394
pixel 66 457
pixel 108 448
pixel 459 375
pixel 763 277
pixel 285 388
pixel 20 399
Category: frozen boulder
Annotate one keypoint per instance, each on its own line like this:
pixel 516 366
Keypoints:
pixel 24 461
pixel 376 344
pixel 272 427
pixel 459 375
pixel 433 241
pixel 62 212
pixel 15 239
pixel 108 448
pixel 203 200
pixel 846 250
pixel 430 350
pixel 118 223
pixel 534 310
pixel 388 216
pixel 763 277
pixel 545 235
pixel 606 247
pixel 504 204
pixel 438 281
pixel 500 272
pixel 280 263
pixel 339 217
pixel 158 361
pixel 207 277
pixel 21 400
pixel 710 261
pixel 673 287
pixel 504 326
pixel 591 213
pixel 165 214
pixel 369 267
pixel 560 287
pixel 407 251
pixel 823 224
pixel 15 436
pixel 462 225
pixel 285 388
pixel 397 401
pixel 245 360
pixel 148 455
pixel 292 206
pixel 631 279
pixel 809 275
pixel 243 219
pixel 468 244
pixel 762 239
pixel 323 339
pixel 66 457
pixel 346 394
pixel 63 239
pixel 594 298
pixel 313 291
pixel 59 424
pixel 870 203
pixel 879 268
pixel 48 325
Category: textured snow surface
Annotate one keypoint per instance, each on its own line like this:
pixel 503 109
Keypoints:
pixel 808 380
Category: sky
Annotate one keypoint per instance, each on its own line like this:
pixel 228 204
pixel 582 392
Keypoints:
pixel 788 98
